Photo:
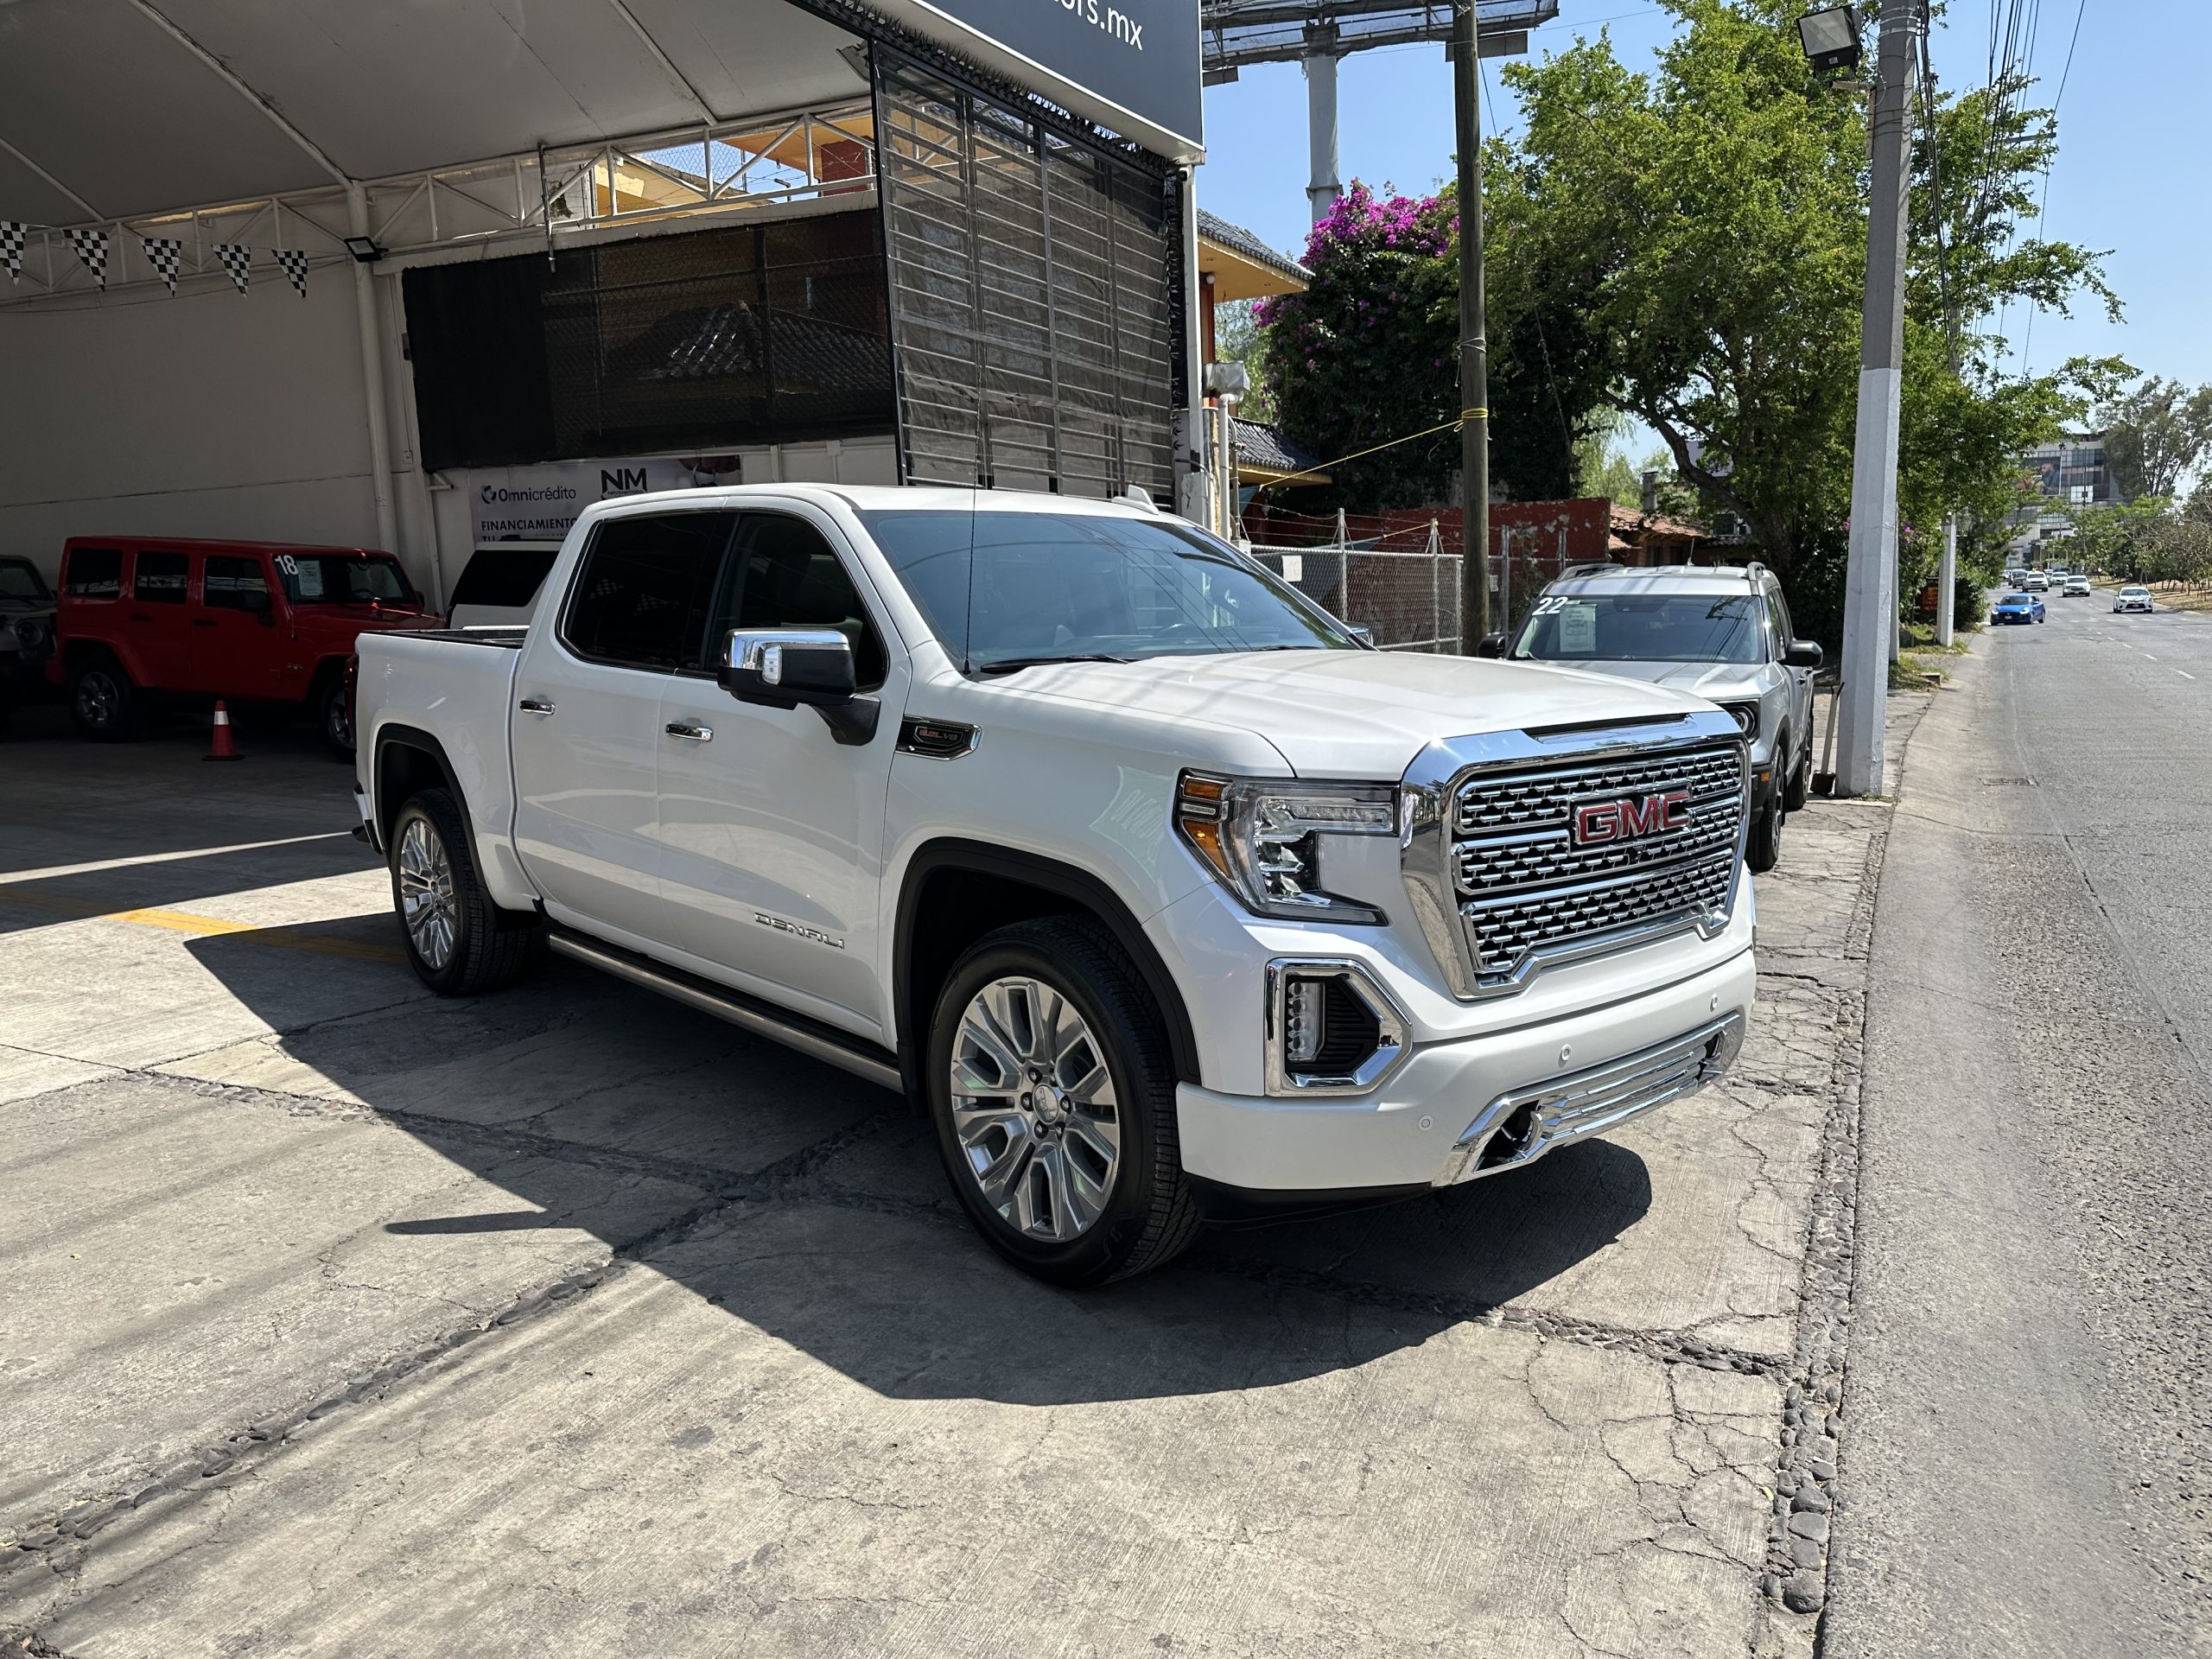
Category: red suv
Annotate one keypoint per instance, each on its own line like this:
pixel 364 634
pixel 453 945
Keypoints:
pixel 255 621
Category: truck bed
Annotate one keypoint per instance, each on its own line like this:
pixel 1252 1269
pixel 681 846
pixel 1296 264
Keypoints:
pixel 456 687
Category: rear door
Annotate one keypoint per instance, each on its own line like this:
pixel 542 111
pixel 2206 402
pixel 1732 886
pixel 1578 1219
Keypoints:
pixel 239 651
pixel 586 724
pixel 771 830
pixel 160 630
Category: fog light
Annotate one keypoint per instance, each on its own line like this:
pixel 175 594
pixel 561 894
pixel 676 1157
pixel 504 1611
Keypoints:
pixel 1305 1020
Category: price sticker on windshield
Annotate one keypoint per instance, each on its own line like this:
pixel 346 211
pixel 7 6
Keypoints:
pixel 1578 628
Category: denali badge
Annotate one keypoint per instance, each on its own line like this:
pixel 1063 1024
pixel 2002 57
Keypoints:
pixel 1648 815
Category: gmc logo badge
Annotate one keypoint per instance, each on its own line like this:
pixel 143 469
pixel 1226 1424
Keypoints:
pixel 1630 820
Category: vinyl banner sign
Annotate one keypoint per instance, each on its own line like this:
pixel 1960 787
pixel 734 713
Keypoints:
pixel 538 504
pixel 1132 57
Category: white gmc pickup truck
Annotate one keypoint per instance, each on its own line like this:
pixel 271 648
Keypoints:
pixel 1162 893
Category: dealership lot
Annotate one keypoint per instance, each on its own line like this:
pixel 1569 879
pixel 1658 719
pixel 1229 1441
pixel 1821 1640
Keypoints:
pixel 347 1319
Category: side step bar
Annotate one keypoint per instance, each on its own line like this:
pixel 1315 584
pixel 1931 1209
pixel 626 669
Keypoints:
pixel 863 1059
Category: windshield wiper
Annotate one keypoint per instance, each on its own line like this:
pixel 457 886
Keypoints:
pixel 1010 664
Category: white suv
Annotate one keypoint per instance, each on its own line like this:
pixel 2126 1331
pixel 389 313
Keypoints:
pixel 1157 891
pixel 1721 631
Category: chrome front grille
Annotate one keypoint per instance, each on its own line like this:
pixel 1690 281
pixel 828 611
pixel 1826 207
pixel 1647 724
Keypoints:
pixel 1524 888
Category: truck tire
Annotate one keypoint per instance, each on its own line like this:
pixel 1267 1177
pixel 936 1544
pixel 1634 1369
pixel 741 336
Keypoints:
pixel 457 940
pixel 1799 788
pixel 102 700
pixel 333 714
pixel 1763 850
pixel 1063 1152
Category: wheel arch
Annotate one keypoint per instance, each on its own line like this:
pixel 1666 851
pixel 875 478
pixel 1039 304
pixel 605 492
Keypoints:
pixel 956 890
pixel 408 761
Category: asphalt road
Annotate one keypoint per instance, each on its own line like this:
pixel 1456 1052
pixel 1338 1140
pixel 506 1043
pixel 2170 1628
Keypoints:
pixel 2027 1466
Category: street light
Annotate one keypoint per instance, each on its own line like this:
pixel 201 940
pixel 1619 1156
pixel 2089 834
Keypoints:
pixel 1830 37
pixel 363 249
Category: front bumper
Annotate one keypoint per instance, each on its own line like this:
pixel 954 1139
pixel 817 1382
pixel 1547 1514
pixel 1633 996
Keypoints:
pixel 1436 1118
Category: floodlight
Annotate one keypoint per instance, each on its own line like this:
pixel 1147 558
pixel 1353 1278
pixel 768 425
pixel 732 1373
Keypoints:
pixel 365 249
pixel 1830 37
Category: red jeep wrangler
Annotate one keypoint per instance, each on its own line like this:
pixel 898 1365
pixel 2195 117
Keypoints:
pixel 252 621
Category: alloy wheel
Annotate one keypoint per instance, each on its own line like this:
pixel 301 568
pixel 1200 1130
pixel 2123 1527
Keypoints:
pixel 96 697
pixel 1034 1109
pixel 426 894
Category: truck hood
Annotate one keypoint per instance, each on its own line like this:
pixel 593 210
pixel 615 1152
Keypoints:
pixel 1350 713
pixel 1699 679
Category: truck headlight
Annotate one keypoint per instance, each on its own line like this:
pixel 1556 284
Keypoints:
pixel 1261 838
pixel 1746 717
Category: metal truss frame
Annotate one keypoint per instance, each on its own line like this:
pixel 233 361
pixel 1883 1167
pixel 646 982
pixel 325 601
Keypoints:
pixel 1234 33
pixel 543 199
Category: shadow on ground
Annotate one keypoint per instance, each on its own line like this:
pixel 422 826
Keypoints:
pixel 822 1216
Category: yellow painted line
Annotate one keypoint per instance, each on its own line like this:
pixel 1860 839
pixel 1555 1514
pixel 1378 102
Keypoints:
pixel 185 921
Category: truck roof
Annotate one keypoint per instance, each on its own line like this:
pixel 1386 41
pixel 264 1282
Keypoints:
pixel 878 498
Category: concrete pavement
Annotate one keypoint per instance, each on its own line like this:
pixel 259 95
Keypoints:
pixel 346 1321
pixel 2030 1469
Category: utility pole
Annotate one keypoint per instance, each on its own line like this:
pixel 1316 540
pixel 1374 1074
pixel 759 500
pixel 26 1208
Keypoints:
pixel 1871 596
pixel 1323 186
pixel 1474 353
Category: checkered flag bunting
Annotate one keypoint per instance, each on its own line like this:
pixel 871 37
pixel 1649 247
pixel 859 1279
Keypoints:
pixel 92 248
pixel 11 247
pixel 162 253
pixel 295 261
pixel 236 261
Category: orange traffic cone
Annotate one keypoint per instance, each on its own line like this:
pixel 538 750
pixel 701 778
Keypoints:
pixel 223 749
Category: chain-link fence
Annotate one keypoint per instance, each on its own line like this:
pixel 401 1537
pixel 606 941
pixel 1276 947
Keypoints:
pixel 1408 598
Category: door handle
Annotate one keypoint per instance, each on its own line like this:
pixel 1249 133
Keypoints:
pixel 534 706
pixel 690 732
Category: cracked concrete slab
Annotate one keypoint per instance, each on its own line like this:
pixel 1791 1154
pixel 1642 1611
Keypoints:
pixel 182 1261
pixel 812 1429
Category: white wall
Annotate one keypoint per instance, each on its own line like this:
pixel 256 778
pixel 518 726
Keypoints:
pixel 210 414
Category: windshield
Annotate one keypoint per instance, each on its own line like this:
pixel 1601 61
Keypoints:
pixel 19 580
pixel 1642 628
pixel 2018 599
pixel 345 579
pixel 1002 590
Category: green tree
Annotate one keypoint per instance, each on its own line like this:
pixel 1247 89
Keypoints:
pixel 1238 338
pixel 2156 436
pixel 1710 216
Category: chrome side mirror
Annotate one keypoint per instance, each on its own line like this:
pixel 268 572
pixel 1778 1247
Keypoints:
pixel 782 668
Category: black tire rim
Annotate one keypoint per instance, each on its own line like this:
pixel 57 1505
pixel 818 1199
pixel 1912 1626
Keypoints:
pixel 338 720
pixel 99 698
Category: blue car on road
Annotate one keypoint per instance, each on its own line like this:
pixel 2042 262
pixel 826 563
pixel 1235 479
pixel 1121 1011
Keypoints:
pixel 2016 607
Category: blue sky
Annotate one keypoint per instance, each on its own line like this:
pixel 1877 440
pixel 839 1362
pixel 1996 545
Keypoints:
pixel 2134 172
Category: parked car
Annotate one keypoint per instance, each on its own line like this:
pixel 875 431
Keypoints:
pixel 2134 599
pixel 498 586
pixel 2016 607
pixel 2074 587
pixel 1157 891
pixel 2035 582
pixel 26 632
pixel 249 621
pixel 1721 632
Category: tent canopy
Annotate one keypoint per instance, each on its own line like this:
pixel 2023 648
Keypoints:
pixel 116 109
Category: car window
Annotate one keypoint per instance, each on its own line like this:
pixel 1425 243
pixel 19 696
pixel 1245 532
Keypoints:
pixel 507 577
pixel 93 573
pixel 18 580
pixel 158 577
pixel 344 579
pixel 1642 628
pixel 228 578
pixel 782 573
pixel 1779 615
pixel 640 595
pixel 1001 589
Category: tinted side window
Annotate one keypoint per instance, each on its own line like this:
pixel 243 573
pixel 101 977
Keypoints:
pixel 782 574
pixel 641 593
pixel 507 577
pixel 1780 614
pixel 159 577
pixel 228 578
pixel 94 573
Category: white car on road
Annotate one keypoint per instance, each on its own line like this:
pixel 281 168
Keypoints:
pixel 2133 599
pixel 1157 890
pixel 2073 587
